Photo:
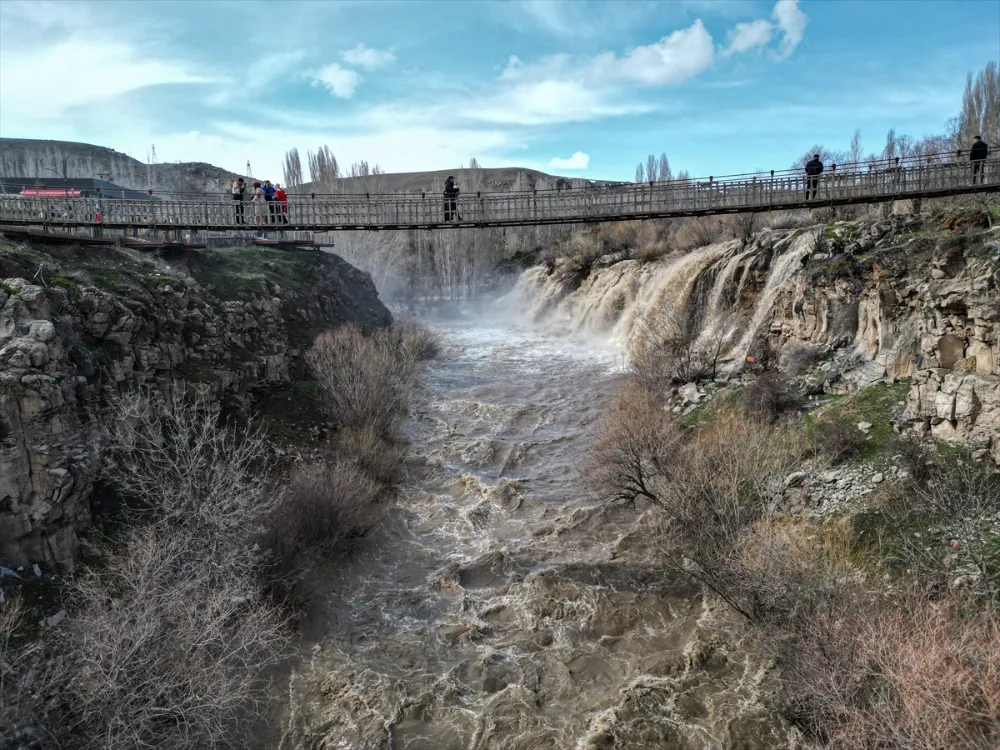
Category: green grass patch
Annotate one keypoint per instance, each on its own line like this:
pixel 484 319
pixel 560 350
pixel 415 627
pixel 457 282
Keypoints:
pixel 9 289
pixel 876 404
pixel 240 273
pixel 197 370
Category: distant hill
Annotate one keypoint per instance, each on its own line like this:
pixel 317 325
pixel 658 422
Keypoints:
pixel 26 157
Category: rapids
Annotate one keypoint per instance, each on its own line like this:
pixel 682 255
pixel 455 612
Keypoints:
pixel 502 606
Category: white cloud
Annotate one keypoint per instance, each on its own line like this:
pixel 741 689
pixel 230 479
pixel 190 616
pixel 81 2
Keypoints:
pixel 34 83
pixel 579 160
pixel 746 36
pixel 368 58
pixel 339 80
pixel 792 23
pixel 677 57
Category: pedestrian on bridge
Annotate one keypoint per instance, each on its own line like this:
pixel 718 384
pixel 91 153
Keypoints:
pixel 239 187
pixel 977 155
pixel 259 206
pixel 814 168
pixel 269 199
pixel 282 201
pixel 451 192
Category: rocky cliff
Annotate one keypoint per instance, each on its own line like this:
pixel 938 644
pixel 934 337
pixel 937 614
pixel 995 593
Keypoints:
pixel 839 307
pixel 77 325
pixel 26 157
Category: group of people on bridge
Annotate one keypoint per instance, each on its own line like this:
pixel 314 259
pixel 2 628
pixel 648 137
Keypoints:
pixel 978 154
pixel 268 202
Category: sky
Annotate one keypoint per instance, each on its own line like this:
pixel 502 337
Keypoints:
pixel 570 87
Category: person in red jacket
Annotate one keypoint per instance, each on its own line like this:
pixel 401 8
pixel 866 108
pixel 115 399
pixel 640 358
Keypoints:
pixel 282 198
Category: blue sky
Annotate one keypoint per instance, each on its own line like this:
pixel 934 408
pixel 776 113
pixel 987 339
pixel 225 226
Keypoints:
pixel 572 87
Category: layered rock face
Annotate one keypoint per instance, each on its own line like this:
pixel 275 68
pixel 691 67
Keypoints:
pixel 840 307
pixel 67 345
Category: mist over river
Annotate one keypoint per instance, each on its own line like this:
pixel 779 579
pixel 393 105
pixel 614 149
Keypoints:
pixel 504 607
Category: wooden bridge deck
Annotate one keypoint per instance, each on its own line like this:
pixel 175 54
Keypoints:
pixel 924 177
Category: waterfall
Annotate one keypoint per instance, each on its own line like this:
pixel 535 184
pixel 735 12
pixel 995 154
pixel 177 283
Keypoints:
pixel 614 299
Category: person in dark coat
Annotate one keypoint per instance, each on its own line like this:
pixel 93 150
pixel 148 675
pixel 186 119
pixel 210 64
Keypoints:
pixel 451 192
pixel 814 168
pixel 977 155
pixel 269 199
pixel 239 188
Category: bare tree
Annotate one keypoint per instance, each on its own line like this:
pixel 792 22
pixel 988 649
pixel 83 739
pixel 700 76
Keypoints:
pixel 293 168
pixel 856 152
pixel 652 168
pixel 323 166
pixel 980 113
pixel 664 167
pixel 640 173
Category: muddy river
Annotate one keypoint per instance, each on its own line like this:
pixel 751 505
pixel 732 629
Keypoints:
pixel 502 606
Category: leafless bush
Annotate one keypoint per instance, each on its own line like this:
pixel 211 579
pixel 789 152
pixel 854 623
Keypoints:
pixel 18 711
pixel 377 457
pixel 837 438
pixel 669 348
pixel 745 227
pixel 919 674
pixel 366 378
pixel 771 395
pixel 651 252
pixel 790 219
pixel 162 653
pixel 169 638
pixel 711 486
pixel 415 341
pixel 325 509
pixel 699 232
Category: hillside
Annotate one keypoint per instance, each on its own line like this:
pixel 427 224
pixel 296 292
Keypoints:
pixel 26 157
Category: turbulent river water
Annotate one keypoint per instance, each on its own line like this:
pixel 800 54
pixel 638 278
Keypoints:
pixel 503 606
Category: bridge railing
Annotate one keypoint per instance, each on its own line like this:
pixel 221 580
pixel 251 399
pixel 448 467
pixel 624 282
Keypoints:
pixel 881 181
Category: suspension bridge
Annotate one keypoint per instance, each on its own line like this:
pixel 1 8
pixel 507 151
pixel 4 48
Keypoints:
pixel 870 182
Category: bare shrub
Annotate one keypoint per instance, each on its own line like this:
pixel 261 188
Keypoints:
pixel 366 378
pixel 790 219
pixel 378 458
pixel 711 485
pixel 920 674
pixel 170 637
pixel 837 438
pixel 745 227
pixel 699 232
pixel 415 341
pixel 651 252
pixel 324 510
pixel 161 653
pixel 771 395
pixel 669 348
pixel 637 448
pixel 18 715
pixel 191 472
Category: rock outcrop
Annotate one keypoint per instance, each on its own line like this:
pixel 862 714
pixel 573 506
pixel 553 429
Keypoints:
pixel 228 324
pixel 840 307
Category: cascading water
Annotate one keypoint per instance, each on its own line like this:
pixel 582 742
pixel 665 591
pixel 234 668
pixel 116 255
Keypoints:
pixel 505 608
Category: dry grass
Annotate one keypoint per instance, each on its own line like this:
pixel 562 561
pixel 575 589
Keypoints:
pixel 920 674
